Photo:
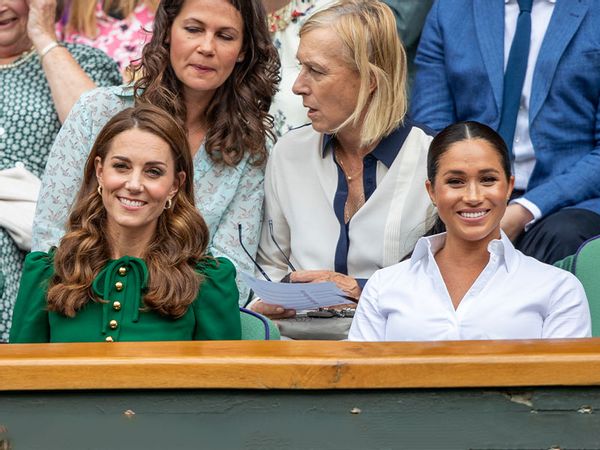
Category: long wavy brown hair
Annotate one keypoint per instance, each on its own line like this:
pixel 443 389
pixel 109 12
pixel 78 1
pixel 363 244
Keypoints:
pixel 238 114
pixel 180 240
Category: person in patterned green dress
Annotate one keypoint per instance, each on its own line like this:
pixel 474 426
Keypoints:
pixel 40 80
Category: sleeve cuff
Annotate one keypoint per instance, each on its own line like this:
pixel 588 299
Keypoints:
pixel 532 208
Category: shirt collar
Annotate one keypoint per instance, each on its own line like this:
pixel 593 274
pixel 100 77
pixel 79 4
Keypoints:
pixel 502 248
pixel 387 149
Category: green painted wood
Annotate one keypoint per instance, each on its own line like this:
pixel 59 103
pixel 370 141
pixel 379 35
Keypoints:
pixel 448 419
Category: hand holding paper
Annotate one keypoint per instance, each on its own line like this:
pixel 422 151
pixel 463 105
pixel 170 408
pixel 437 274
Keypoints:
pixel 347 284
pixel 297 296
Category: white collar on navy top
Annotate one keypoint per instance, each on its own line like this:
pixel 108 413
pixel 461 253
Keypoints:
pixel 515 1
pixel 502 248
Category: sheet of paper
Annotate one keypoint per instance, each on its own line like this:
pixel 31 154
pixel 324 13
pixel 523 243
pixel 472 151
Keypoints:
pixel 297 296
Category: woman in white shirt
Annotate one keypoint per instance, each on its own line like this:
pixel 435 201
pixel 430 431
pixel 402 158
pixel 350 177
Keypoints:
pixel 470 282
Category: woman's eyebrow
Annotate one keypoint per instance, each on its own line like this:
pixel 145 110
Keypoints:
pixel 146 163
pixel 155 163
pixel 462 172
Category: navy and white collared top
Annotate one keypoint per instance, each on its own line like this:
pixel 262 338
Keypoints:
pixel 384 153
pixel 305 195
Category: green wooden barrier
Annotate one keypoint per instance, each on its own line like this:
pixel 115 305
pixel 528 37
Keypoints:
pixel 301 395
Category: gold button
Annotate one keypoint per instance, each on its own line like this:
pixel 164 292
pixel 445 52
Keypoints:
pixel 122 271
pixel 109 339
pixel 117 306
pixel 113 324
pixel 119 286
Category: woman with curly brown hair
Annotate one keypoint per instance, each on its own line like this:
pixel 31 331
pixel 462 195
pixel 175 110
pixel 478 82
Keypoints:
pixel 133 264
pixel 211 65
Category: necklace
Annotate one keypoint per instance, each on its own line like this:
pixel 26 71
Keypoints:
pixel 22 59
pixel 356 193
pixel 346 173
pixel 349 176
pixel 352 207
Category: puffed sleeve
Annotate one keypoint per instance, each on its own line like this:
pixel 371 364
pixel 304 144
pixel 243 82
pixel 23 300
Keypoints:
pixel 216 307
pixel 30 316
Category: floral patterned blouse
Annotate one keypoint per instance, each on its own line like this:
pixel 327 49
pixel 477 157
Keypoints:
pixel 226 196
pixel 121 39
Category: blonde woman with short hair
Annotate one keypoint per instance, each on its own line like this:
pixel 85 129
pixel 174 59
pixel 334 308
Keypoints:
pixel 344 196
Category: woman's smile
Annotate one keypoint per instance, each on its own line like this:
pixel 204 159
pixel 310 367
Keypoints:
pixel 473 215
pixel 131 204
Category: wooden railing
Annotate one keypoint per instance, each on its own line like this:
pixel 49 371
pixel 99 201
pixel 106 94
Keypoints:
pixel 299 365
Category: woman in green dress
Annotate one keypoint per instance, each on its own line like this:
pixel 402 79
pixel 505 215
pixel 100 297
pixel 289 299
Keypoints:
pixel 132 265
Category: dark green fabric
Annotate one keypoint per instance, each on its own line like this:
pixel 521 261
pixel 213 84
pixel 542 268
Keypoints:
pixel 213 315
pixel 585 265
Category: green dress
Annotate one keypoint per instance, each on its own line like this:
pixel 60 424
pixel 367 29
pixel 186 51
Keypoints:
pixel 28 125
pixel 213 315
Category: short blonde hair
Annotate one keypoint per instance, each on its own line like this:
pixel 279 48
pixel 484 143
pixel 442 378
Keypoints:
pixel 367 29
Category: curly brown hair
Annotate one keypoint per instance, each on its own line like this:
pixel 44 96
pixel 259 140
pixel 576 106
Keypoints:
pixel 238 114
pixel 179 242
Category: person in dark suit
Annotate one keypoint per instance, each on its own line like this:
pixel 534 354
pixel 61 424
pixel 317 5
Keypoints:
pixel 467 67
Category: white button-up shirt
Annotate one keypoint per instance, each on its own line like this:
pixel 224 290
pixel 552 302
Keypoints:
pixel 514 297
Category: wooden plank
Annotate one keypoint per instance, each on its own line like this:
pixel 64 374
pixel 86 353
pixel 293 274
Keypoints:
pixel 299 365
